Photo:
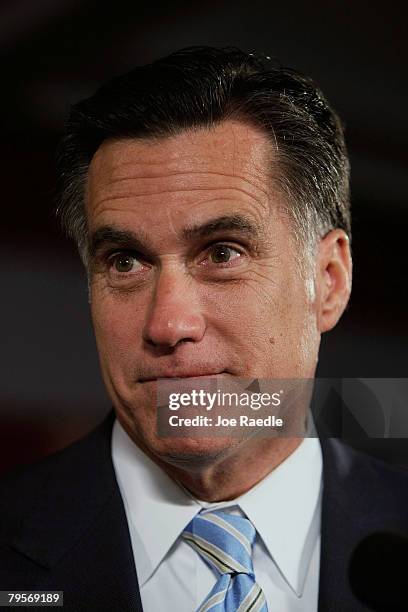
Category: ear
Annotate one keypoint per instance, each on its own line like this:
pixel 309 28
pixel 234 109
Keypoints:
pixel 334 272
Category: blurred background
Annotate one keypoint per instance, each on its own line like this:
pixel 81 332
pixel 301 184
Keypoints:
pixel 56 52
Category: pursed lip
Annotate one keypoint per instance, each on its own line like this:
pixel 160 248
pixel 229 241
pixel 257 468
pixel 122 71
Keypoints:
pixel 190 374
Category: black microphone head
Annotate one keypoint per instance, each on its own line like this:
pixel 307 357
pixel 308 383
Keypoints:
pixel 378 572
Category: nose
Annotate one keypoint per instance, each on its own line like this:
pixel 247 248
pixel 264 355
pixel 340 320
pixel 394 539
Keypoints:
pixel 174 315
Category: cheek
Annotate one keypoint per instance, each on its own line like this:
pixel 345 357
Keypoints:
pixel 281 331
pixel 302 338
pixel 117 328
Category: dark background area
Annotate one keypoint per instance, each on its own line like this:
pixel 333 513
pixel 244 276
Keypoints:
pixel 55 52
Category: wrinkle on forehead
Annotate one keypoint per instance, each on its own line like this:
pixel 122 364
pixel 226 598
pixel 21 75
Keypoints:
pixel 195 194
pixel 236 149
pixel 231 161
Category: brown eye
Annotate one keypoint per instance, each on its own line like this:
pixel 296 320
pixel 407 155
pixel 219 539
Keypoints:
pixel 123 263
pixel 222 253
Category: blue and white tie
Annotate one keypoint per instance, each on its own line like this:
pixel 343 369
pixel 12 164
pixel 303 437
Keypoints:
pixel 225 542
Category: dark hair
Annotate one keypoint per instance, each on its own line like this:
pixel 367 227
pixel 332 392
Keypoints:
pixel 199 87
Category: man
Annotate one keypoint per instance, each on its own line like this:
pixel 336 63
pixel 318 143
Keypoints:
pixel 208 195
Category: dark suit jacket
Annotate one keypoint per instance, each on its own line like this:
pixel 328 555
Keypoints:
pixel 63 525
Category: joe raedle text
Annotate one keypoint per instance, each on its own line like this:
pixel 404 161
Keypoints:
pixel 241 421
pixel 199 411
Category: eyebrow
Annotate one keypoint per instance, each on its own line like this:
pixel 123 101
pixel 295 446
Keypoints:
pixel 237 223
pixel 129 239
pixel 111 235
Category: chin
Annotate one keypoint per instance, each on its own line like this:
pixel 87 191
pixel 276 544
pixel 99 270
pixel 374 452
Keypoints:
pixel 192 453
pixel 181 451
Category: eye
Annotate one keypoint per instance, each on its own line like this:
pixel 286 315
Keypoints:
pixel 124 263
pixel 222 253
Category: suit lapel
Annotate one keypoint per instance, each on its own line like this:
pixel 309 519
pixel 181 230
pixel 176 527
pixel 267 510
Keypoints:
pixel 340 531
pixel 77 531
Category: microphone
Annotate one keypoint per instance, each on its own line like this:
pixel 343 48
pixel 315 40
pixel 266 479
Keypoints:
pixel 378 572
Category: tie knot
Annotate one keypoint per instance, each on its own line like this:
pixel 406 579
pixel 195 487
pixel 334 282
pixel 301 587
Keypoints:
pixel 223 540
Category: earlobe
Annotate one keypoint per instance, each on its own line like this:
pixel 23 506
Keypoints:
pixel 334 278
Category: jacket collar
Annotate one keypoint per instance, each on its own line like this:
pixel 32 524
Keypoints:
pixel 77 530
pixel 73 488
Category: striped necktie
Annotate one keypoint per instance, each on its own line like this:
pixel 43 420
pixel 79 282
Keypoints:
pixel 225 542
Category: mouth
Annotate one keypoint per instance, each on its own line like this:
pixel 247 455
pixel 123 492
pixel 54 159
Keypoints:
pixel 189 374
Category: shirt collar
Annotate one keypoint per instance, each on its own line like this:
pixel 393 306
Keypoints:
pixel 157 509
pixel 284 507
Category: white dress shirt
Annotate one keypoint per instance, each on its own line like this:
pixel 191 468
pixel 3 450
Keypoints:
pixel 285 509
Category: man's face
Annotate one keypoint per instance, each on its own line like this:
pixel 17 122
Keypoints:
pixel 193 272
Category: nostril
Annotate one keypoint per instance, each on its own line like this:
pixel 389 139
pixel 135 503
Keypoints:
pixel 168 345
pixel 170 327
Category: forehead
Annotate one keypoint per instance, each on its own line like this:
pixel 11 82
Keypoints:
pixel 230 145
pixel 227 167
